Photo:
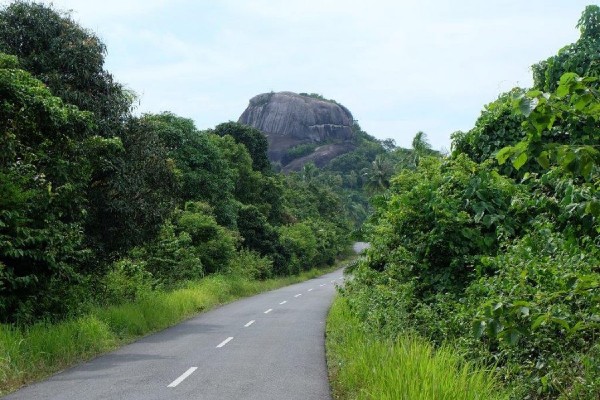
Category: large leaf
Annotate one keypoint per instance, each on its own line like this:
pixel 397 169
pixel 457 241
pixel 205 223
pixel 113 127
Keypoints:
pixel 527 105
pixel 478 327
pixel 543 159
pixel 504 154
pixel 520 161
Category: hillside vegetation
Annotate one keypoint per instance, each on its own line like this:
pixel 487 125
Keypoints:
pixel 493 251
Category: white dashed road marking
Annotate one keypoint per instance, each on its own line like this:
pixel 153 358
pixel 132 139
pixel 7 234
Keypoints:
pixel 249 323
pixel 298 295
pixel 268 311
pixel 310 290
pixel 283 302
pixel 224 342
pixel 183 376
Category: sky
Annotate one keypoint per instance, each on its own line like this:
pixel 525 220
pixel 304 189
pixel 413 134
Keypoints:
pixel 399 66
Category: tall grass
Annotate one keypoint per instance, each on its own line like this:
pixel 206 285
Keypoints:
pixel 32 353
pixel 363 367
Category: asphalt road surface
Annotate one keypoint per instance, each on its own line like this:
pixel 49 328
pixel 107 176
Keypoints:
pixel 270 346
pixel 359 247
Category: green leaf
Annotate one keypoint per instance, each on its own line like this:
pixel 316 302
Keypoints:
pixel 504 154
pixel 539 321
pixel 568 157
pixel 478 327
pixel 583 101
pixel 520 161
pixel 521 147
pixel 514 337
pixel 534 93
pixel 478 216
pixel 577 327
pixel 587 168
pixel 568 78
pixel 562 322
pixel 527 105
pixel 593 208
pixel 562 91
pixel 495 327
pixel 543 160
pixel 542 121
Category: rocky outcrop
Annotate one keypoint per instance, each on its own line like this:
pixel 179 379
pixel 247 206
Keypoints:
pixel 320 157
pixel 289 119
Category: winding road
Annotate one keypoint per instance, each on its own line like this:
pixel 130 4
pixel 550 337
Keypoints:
pixel 269 346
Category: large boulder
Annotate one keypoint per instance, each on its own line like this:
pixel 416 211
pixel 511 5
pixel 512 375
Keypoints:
pixel 289 119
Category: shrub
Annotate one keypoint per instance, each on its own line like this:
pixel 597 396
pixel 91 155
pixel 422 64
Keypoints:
pixel 445 215
pixel 250 264
pixel 545 292
pixel 127 280
pixel 300 242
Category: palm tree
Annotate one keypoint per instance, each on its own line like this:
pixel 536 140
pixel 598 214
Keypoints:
pixel 377 177
pixel 420 147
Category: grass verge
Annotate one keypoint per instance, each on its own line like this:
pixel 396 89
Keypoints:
pixel 362 367
pixel 33 353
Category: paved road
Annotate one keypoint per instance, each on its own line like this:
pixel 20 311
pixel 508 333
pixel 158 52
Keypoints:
pixel 270 346
pixel 359 247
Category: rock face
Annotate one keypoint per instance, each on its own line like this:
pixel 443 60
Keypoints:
pixel 289 119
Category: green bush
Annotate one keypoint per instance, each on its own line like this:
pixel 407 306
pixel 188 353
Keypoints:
pixel 545 292
pixel 250 264
pixel 501 270
pixel 127 280
pixel 439 220
pixel 214 244
pixel 300 242
pixel 170 257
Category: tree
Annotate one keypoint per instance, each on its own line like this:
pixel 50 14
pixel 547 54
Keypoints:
pixel 262 237
pixel 581 57
pixel 420 147
pixel 67 58
pixel 561 127
pixel 377 177
pixel 133 190
pixel 254 140
pixel 496 127
pixel 44 171
pixel 203 170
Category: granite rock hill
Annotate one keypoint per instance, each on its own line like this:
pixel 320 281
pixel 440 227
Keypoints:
pixel 290 120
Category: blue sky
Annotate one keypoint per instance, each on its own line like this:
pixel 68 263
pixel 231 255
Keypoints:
pixel 399 66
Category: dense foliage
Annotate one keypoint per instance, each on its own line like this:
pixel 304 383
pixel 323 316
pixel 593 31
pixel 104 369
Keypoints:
pixel 495 250
pixel 44 172
pixel 67 58
pixel 98 206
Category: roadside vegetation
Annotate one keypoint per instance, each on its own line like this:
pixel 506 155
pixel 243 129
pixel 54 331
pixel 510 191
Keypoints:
pixel 363 366
pixel 490 254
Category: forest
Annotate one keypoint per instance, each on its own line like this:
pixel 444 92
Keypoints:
pixel 491 255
